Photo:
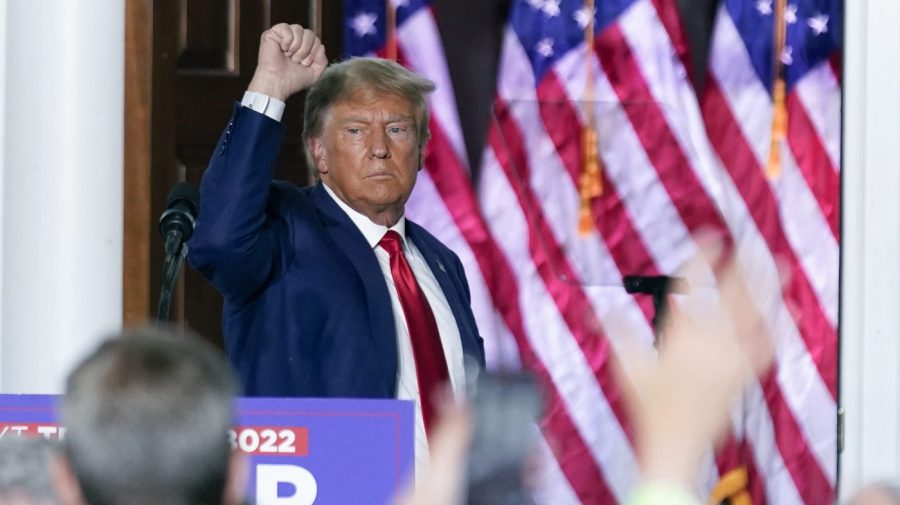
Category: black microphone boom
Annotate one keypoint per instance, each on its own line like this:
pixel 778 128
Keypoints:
pixel 176 225
pixel 658 286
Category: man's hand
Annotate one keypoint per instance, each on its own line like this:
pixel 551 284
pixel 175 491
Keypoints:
pixel 291 59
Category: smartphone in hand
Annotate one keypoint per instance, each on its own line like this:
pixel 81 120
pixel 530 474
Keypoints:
pixel 505 410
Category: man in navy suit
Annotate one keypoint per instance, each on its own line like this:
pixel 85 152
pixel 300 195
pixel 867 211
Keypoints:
pixel 329 290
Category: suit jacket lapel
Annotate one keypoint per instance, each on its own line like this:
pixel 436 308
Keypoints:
pixel 352 243
pixel 458 303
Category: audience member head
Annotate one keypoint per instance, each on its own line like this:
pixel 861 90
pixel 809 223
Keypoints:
pixel 25 471
pixel 147 416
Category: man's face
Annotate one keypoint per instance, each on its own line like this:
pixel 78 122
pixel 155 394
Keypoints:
pixel 368 153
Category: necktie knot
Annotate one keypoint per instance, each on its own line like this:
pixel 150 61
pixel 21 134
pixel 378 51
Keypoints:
pixel 391 242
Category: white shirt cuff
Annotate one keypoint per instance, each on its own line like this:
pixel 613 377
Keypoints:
pixel 264 104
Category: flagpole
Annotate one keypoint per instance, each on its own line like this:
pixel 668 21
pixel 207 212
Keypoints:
pixel 390 49
pixel 315 17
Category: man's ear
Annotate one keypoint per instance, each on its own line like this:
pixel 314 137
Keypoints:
pixel 65 482
pixel 422 155
pixel 317 148
pixel 236 481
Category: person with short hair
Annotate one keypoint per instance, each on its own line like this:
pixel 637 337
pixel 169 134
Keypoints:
pixel 25 464
pixel 330 291
pixel 147 417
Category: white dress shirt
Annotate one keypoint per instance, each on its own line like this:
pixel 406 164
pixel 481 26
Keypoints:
pixel 407 382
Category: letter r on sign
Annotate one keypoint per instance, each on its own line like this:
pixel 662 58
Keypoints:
pixel 268 478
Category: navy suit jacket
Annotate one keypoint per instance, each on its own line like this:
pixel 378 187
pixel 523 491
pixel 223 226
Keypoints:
pixel 307 310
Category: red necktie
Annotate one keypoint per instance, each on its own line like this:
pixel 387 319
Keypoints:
pixel 431 367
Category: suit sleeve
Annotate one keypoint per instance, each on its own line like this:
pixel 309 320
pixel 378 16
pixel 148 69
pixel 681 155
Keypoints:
pixel 239 243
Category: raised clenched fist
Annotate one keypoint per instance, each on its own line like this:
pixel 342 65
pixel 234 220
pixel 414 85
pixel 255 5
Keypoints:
pixel 291 59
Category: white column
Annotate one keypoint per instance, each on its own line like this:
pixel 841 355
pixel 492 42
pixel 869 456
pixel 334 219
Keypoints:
pixel 3 18
pixel 870 332
pixel 62 187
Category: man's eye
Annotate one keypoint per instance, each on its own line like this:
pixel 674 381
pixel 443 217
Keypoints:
pixel 397 129
pixel 353 131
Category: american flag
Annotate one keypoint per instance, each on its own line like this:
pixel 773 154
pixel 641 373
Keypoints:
pixel 784 185
pixel 545 248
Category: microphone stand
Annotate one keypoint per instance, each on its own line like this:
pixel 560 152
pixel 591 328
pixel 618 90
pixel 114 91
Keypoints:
pixel 657 286
pixel 176 224
pixel 171 268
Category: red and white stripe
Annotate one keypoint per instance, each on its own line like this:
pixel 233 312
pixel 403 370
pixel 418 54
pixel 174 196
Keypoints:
pixel 509 311
pixel 794 219
pixel 537 173
pixel 551 301
pixel 663 181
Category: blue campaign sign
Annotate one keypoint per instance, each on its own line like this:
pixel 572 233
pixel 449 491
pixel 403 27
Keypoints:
pixel 302 451
pixel 354 451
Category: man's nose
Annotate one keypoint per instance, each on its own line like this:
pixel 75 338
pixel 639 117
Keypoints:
pixel 379 145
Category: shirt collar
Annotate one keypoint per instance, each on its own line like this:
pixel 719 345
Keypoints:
pixel 373 232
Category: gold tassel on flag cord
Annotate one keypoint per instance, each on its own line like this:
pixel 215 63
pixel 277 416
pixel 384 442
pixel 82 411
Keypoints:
pixel 779 110
pixel 390 48
pixel 732 487
pixel 590 183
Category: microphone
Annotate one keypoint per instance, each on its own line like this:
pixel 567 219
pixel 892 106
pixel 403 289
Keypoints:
pixel 176 224
pixel 658 286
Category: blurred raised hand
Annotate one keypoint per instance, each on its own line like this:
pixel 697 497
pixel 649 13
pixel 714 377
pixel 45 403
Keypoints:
pixel 711 349
pixel 444 483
